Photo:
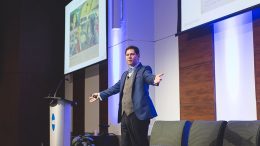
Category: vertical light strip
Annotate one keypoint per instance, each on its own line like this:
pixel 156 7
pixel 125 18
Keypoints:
pixel 234 68
pixel 116 64
pixel 113 76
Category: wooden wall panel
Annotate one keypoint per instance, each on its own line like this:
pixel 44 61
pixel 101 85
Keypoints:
pixel 197 95
pixel 257 75
pixel 203 111
pixel 195 50
pixel 196 84
pixel 256 37
pixel 258 109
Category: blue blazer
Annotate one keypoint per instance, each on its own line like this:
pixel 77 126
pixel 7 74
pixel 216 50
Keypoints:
pixel 142 103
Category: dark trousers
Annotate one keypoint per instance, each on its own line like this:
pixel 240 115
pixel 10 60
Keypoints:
pixel 134 132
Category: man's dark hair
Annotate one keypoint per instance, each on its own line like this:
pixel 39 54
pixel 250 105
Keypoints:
pixel 134 48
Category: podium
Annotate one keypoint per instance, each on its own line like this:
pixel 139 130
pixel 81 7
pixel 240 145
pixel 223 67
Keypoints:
pixel 60 121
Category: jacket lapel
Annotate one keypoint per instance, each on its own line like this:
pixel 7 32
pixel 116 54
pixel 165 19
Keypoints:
pixel 135 73
pixel 123 82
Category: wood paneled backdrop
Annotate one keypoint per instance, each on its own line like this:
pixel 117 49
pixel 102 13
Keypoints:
pixel 197 79
pixel 256 36
pixel 197 96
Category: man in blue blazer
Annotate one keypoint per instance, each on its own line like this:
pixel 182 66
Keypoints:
pixel 135 105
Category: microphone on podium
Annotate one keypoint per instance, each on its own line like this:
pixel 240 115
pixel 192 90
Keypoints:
pixel 59 85
pixel 53 99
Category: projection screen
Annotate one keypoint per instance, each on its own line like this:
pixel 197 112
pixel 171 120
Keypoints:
pixel 85 34
pixel 197 12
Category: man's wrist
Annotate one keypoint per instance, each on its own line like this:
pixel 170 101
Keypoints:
pixel 156 84
pixel 99 97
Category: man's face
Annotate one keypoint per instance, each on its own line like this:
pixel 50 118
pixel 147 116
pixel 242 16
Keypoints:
pixel 131 57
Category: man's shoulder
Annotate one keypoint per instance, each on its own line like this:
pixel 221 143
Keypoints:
pixel 145 67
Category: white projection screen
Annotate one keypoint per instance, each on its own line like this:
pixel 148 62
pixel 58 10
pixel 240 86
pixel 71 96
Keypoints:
pixel 85 34
pixel 197 12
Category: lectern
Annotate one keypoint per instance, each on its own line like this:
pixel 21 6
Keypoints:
pixel 60 121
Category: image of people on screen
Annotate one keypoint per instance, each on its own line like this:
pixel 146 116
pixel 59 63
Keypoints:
pixel 84 27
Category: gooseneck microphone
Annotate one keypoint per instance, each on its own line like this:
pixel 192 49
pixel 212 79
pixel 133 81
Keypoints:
pixel 58 87
pixel 53 99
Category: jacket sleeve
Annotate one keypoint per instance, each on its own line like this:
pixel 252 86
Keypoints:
pixel 148 76
pixel 110 91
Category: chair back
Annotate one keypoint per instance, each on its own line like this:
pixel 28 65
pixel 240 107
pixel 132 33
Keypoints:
pixel 242 133
pixel 170 133
pixel 207 133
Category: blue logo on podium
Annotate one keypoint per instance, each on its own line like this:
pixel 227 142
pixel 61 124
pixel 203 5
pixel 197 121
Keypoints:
pixel 53 122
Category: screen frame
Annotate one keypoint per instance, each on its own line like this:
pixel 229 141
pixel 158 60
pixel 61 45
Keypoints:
pixel 179 21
